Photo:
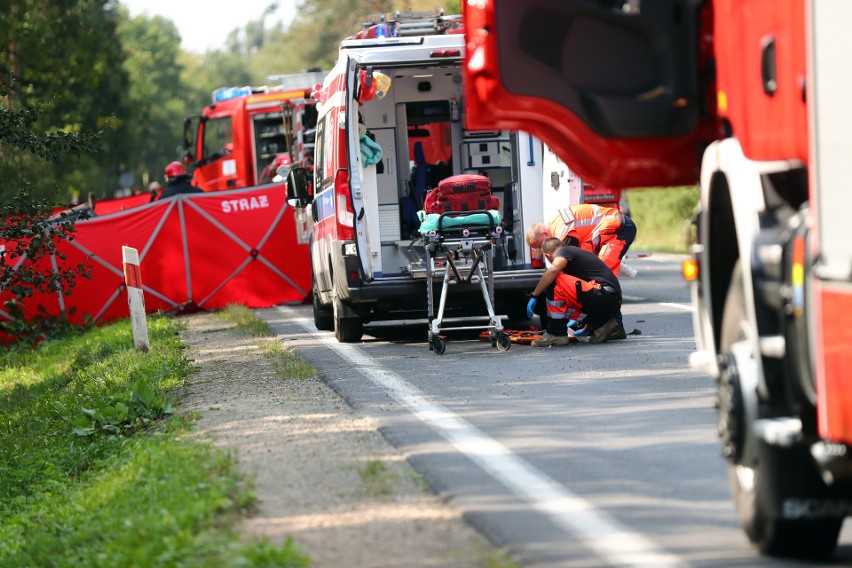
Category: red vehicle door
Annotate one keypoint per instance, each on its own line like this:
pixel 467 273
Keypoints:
pixel 612 86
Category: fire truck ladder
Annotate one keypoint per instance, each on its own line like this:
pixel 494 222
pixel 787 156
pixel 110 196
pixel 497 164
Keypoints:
pixel 400 24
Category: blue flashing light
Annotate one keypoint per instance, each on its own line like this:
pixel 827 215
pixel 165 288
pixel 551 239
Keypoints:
pixel 227 93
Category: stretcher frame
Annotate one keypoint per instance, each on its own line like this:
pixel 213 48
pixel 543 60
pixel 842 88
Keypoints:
pixel 475 244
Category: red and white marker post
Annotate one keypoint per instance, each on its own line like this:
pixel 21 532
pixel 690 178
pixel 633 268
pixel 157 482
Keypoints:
pixel 135 298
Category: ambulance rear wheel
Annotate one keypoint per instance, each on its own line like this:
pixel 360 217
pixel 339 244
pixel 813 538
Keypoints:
pixel 348 330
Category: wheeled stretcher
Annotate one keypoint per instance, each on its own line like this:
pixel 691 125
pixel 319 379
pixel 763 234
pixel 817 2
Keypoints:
pixel 462 245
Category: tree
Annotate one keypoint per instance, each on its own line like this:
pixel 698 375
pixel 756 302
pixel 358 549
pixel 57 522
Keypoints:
pixel 30 232
pixel 63 57
pixel 156 94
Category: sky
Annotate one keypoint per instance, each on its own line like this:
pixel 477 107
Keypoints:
pixel 205 24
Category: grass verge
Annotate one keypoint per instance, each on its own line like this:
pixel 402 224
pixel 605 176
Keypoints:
pixel 662 217
pixel 285 361
pixel 95 469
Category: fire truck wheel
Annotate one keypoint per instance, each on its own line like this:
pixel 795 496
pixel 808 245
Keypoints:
pixel 768 482
pixel 774 486
pixel 323 315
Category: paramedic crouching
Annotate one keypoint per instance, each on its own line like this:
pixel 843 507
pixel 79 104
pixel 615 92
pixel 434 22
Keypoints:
pixel 577 281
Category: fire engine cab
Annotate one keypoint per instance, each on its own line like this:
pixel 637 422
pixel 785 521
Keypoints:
pixel 397 87
pixel 749 97
pixel 238 136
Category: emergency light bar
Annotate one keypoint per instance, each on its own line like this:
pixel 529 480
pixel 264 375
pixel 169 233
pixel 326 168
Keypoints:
pixel 228 93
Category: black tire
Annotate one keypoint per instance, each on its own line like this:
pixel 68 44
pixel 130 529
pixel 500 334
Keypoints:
pixel 775 474
pixel 439 346
pixel 347 329
pixel 323 315
pixel 503 342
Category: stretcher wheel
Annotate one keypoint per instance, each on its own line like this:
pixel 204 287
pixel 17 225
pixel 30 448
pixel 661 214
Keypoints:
pixel 503 343
pixel 438 345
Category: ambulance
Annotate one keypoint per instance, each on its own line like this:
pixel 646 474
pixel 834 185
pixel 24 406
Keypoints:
pixel 390 125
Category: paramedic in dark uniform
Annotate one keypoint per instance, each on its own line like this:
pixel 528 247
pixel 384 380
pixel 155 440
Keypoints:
pixel 577 281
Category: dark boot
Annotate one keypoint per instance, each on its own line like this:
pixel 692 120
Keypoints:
pixel 607 331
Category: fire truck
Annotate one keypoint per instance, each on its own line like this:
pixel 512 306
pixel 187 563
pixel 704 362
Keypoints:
pixel 749 98
pixel 245 133
pixel 399 82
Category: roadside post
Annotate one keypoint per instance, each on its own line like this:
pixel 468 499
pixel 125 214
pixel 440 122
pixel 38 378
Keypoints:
pixel 135 298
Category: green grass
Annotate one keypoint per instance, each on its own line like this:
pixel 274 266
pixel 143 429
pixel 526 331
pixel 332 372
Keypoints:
pixel 245 319
pixel 377 479
pixel 96 470
pixel 285 361
pixel 662 217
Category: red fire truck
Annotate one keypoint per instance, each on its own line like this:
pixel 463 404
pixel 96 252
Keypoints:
pixel 237 137
pixel 748 97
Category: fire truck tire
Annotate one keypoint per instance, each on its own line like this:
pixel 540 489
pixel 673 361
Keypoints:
pixel 323 315
pixel 762 489
pixel 762 485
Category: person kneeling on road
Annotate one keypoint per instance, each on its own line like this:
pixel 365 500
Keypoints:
pixel 577 281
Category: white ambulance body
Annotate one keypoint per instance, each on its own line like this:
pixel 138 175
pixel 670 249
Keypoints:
pixel 367 258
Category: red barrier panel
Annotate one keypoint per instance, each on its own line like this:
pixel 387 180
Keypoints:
pixel 202 250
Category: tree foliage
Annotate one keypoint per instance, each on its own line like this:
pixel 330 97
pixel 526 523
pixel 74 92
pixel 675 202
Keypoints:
pixel 87 66
pixel 89 96
pixel 66 63
pixel 156 95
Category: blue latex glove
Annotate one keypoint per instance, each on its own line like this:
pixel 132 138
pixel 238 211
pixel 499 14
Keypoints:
pixel 531 308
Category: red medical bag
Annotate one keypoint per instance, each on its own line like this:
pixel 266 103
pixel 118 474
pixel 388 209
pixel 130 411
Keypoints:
pixel 461 193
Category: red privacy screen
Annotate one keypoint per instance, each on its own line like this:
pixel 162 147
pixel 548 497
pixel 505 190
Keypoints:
pixel 196 251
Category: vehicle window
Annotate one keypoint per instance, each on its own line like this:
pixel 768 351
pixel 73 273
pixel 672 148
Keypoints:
pixel 429 140
pixel 218 138
pixel 319 156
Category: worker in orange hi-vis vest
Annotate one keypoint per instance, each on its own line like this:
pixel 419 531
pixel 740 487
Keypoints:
pixel 576 281
pixel 605 231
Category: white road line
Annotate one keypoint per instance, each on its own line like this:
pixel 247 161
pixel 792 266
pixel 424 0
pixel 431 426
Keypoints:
pixel 614 543
pixel 684 307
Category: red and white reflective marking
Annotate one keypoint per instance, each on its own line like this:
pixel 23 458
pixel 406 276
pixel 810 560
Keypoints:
pixel 135 297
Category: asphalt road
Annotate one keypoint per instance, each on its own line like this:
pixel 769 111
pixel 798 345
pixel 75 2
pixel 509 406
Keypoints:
pixel 576 456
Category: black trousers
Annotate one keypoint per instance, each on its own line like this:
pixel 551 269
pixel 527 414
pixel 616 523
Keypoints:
pixel 600 305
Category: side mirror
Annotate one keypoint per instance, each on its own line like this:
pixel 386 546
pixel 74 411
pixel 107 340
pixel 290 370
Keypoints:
pixel 297 187
pixel 188 138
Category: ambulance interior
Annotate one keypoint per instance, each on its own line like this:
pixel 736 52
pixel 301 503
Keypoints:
pixel 419 127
